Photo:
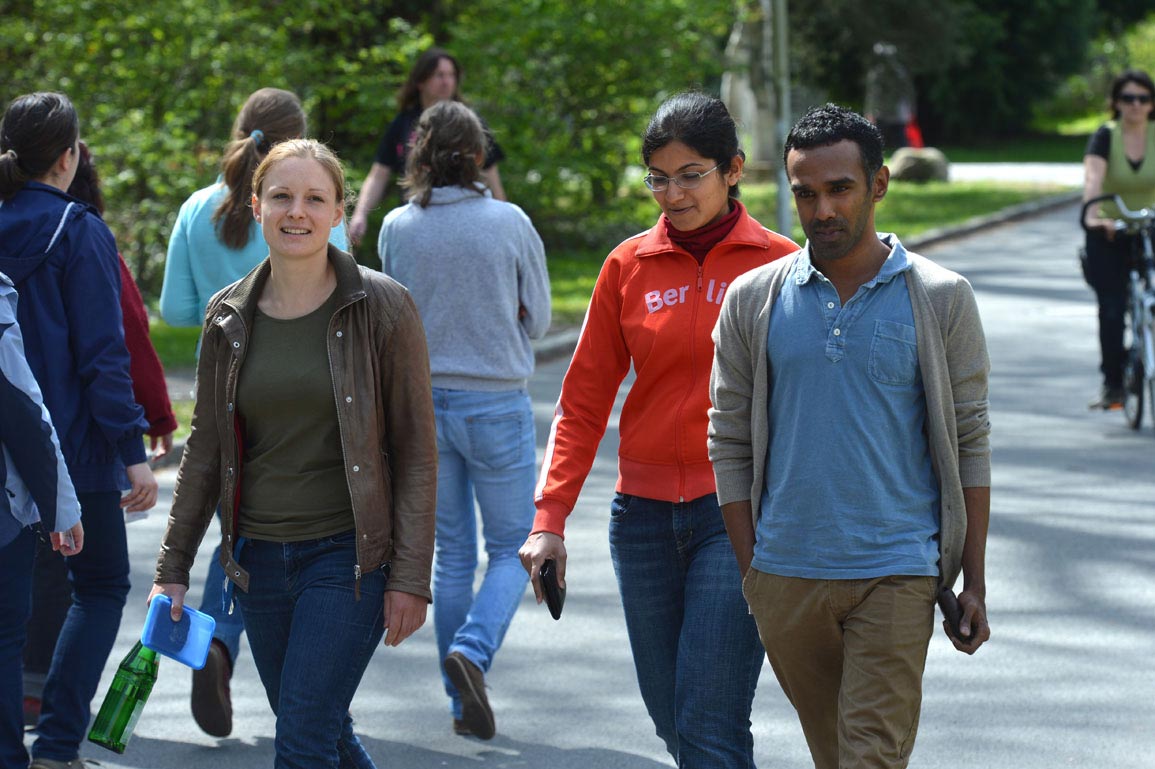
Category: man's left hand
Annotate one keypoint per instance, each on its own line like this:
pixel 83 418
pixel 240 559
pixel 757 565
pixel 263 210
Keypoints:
pixel 973 622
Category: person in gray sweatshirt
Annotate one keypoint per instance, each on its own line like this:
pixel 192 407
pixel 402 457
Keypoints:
pixel 475 267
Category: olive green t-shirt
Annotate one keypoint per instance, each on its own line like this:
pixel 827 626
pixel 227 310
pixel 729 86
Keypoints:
pixel 293 483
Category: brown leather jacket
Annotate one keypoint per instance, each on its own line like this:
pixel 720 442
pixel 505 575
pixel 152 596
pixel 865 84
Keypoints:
pixel 380 368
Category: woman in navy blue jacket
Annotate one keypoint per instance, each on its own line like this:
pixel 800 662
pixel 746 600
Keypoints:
pixel 63 261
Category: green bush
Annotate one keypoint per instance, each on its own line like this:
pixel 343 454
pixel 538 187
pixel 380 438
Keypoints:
pixel 158 86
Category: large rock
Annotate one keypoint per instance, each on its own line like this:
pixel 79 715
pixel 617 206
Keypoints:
pixel 922 164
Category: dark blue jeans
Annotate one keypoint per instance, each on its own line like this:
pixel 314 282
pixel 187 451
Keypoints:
pixel 311 642
pixel 99 578
pixel 695 644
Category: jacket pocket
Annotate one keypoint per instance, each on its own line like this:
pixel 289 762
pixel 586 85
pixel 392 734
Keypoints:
pixel 893 353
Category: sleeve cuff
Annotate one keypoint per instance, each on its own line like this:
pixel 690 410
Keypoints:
pixel 132 451
pixel 551 515
pixel 163 426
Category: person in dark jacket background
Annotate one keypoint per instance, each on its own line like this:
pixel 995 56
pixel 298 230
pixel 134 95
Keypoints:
pixel 37 492
pixel 52 595
pixel 63 261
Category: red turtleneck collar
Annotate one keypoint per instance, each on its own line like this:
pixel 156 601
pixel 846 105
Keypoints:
pixel 699 242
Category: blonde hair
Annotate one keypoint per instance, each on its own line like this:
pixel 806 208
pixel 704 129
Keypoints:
pixel 310 149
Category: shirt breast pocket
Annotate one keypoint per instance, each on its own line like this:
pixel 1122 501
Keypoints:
pixel 893 353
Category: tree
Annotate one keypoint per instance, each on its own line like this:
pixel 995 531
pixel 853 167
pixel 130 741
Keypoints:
pixel 158 85
pixel 567 87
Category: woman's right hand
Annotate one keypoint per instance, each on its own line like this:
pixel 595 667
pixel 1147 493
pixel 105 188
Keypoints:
pixel 142 495
pixel 539 547
pixel 175 591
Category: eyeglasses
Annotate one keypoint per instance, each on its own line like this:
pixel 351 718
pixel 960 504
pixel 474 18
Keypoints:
pixel 1135 98
pixel 687 181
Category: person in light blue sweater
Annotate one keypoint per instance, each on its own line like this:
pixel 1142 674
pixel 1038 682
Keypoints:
pixel 475 267
pixel 215 243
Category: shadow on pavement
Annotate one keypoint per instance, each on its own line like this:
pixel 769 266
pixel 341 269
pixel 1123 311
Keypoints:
pixel 499 753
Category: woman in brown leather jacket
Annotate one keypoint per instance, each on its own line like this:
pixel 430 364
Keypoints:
pixel 314 428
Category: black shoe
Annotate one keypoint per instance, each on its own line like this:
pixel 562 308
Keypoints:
pixel 1110 399
pixel 476 715
pixel 212 707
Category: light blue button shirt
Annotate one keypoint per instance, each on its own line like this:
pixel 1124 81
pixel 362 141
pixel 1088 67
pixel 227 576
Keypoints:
pixel 850 490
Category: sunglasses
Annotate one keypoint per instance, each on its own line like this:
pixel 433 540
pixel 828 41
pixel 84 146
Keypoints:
pixel 1135 98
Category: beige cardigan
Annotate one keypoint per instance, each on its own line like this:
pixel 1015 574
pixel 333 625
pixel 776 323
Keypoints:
pixel 953 359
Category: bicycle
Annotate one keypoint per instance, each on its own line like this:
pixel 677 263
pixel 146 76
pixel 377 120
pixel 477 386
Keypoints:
pixel 1139 345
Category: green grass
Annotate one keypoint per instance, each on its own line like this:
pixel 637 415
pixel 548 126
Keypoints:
pixel 909 210
pixel 175 346
pixel 183 410
pixel 1036 148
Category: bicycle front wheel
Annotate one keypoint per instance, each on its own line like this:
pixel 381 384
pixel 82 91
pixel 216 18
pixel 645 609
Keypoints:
pixel 1151 399
pixel 1133 385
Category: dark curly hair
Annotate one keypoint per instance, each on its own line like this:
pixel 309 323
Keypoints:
pixel 830 124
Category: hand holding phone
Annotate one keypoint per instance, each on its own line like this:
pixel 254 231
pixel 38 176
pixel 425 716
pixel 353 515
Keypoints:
pixel 554 594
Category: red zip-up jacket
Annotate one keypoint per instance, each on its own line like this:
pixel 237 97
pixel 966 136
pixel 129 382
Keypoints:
pixel 655 306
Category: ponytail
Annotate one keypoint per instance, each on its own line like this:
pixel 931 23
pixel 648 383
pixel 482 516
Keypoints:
pixel 233 217
pixel 12 177
pixel 269 116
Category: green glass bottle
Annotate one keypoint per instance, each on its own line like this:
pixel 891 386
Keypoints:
pixel 125 699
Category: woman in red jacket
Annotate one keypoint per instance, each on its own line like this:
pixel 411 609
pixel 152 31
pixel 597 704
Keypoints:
pixel 695 647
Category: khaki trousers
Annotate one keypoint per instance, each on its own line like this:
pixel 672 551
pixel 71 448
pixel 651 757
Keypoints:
pixel 849 654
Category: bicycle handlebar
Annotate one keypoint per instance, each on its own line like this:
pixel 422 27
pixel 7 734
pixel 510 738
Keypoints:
pixel 1131 220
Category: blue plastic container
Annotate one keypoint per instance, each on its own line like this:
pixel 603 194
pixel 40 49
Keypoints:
pixel 187 641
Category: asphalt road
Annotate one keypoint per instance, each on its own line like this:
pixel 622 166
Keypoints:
pixel 1066 679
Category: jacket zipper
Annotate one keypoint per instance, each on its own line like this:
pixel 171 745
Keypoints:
pixel 345 458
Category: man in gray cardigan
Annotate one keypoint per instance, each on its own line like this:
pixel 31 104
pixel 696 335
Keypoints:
pixel 851 452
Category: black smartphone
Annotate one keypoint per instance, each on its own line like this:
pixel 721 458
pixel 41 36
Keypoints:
pixel 554 594
pixel 951 612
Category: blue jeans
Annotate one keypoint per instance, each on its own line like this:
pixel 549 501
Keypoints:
pixel 485 448
pixel 695 644
pixel 99 577
pixel 311 642
pixel 229 626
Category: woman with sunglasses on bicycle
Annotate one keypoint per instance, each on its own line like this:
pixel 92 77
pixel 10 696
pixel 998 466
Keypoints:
pixel 1120 160
pixel 695 647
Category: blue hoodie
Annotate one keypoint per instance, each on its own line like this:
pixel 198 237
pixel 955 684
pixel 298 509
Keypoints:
pixel 62 259
pixel 33 477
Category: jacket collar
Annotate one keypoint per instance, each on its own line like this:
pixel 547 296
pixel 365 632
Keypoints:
pixel 746 232
pixel 246 293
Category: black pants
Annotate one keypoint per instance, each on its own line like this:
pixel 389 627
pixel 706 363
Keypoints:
pixel 51 599
pixel 1108 272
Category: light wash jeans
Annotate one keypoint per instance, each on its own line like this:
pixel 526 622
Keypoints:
pixel 695 644
pixel 485 445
